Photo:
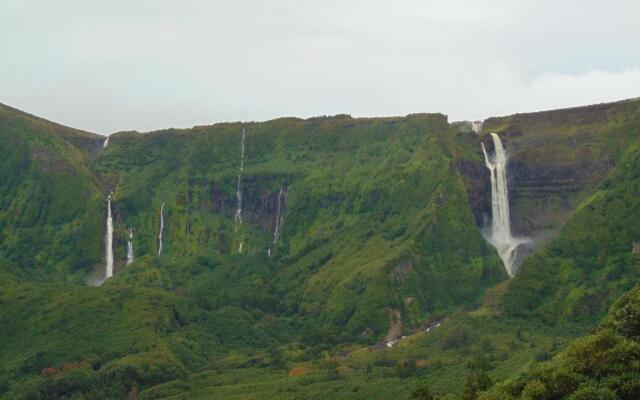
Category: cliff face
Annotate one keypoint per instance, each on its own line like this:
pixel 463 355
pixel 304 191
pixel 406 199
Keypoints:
pixel 351 200
pixel 556 159
pixel 477 180
pixel 329 206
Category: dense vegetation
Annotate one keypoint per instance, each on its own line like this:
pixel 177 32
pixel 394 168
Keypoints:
pixel 378 240
pixel 48 198
pixel 594 259
pixel 603 365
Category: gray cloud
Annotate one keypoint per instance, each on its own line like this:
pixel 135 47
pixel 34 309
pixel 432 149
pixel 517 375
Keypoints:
pixel 114 65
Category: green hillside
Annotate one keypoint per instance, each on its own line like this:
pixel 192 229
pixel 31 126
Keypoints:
pixel 49 199
pixel 352 232
pixel 593 260
pixel 602 365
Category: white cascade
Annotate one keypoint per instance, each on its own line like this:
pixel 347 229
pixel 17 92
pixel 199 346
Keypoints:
pixel 108 258
pixel 240 248
pixel 130 247
pixel 476 126
pixel 238 218
pixel 282 197
pixel 161 229
pixel 500 236
pixel 105 143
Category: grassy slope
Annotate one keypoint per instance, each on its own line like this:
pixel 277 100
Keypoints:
pixel 602 365
pixel 590 263
pixel 571 282
pixel 48 199
pixel 370 207
pixel 61 339
pixel 351 249
pixel 244 323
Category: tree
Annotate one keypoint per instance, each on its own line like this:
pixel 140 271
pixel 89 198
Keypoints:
pixel 422 392
pixel 478 379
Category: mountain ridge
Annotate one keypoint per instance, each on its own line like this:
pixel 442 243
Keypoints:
pixel 354 232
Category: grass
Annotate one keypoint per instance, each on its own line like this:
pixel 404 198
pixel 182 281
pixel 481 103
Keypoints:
pixel 377 222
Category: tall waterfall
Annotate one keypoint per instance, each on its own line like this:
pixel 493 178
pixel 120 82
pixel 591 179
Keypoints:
pixel 500 236
pixel 130 247
pixel 105 143
pixel 161 229
pixel 238 218
pixel 282 197
pixel 108 258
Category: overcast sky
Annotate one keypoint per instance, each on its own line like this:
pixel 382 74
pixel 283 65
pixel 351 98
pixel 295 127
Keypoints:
pixel 105 66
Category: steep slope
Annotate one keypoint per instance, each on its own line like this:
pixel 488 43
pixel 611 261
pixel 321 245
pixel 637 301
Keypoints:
pixel 290 248
pixel 66 341
pixel 603 365
pixel 557 158
pixel 351 230
pixel 570 283
pixel 49 200
pixel 358 219
pixel 595 257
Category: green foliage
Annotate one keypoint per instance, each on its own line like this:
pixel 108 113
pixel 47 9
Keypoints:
pixel 422 392
pixel 478 379
pixel 377 238
pixel 49 200
pixel 591 262
pixel 603 365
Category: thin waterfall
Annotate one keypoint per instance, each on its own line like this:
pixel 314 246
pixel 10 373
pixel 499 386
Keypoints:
pixel 282 197
pixel 161 229
pixel 500 236
pixel 240 247
pixel 476 126
pixel 105 143
pixel 130 247
pixel 238 218
pixel 108 258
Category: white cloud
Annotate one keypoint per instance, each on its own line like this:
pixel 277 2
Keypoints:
pixel 114 65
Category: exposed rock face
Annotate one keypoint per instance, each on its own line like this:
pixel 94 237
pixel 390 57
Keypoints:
pixel 259 199
pixel 476 178
pixel 555 160
pixel 401 270
pixel 395 325
pixel 260 202
pixel 522 251
pixel 543 195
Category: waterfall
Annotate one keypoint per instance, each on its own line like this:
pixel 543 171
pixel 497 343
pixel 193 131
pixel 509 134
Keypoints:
pixel 238 218
pixel 108 258
pixel 242 151
pixel 106 143
pixel 240 248
pixel 500 236
pixel 282 197
pixel 476 126
pixel 161 229
pixel 130 247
